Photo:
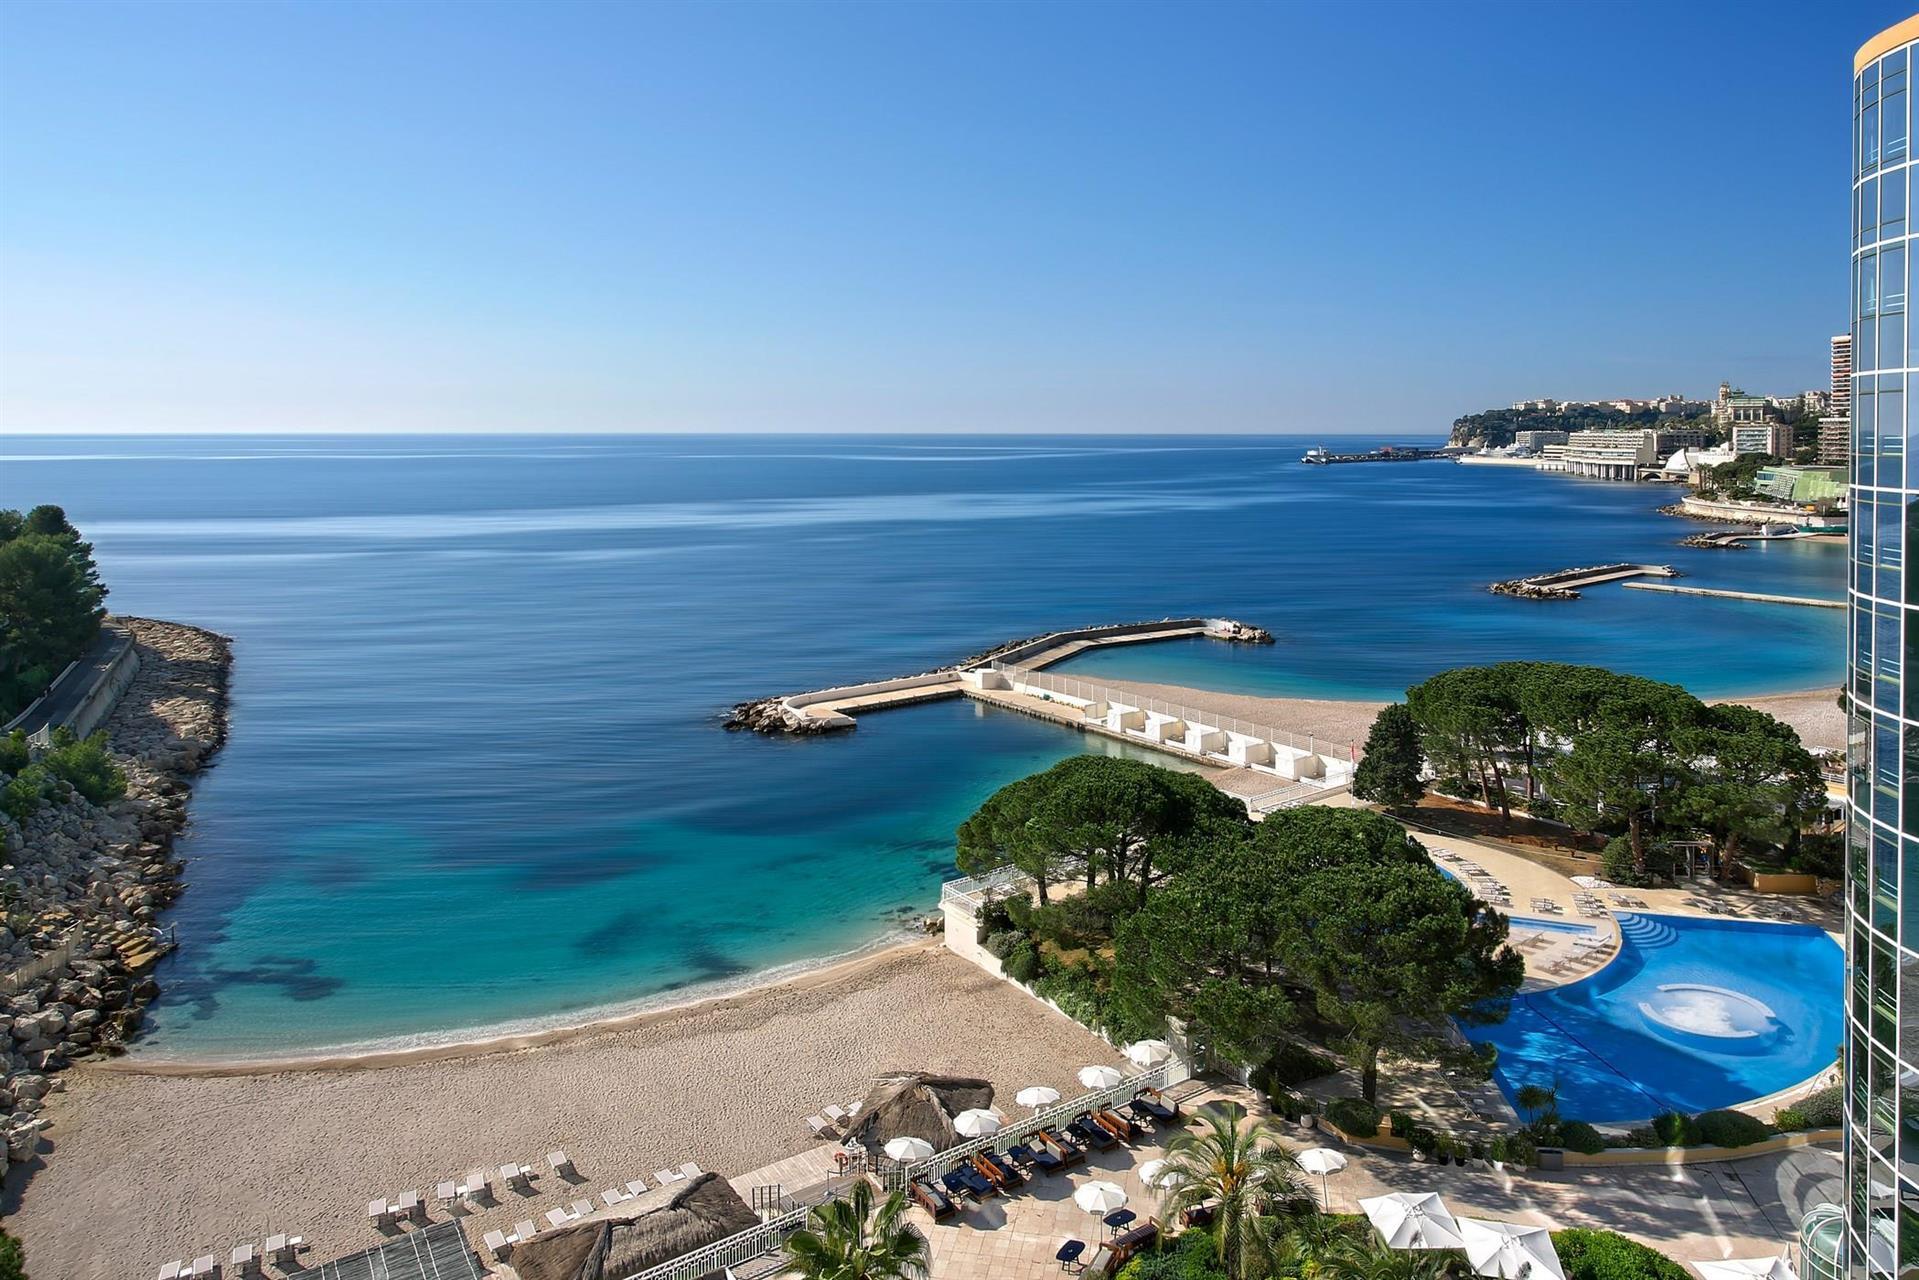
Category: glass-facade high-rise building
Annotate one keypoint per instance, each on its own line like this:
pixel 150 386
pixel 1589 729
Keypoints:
pixel 1879 1221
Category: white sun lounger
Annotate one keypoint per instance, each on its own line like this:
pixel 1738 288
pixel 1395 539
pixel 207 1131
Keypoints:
pixel 203 1265
pixel 636 1186
pixel 524 1230
pixel 557 1217
pixel 408 1205
pixel 559 1162
pixel 689 1170
pixel 447 1192
pixel 242 1260
pixel 496 1243
pixel 172 1270
pixel 377 1211
pixel 613 1197
pixel 513 1175
pixel 819 1125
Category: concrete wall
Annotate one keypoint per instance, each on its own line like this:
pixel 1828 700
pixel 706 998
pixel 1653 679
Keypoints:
pixel 1015 656
pixel 98 705
pixel 799 701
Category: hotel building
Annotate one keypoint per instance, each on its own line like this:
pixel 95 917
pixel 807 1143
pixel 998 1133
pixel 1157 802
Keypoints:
pixel 1876 1230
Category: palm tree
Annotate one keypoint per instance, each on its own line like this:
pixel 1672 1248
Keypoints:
pixel 1243 1168
pixel 848 1240
pixel 1370 1259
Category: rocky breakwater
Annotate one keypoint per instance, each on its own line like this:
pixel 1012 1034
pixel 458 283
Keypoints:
pixel 82 885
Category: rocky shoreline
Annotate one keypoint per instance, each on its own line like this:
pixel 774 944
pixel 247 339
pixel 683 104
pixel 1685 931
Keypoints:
pixel 83 885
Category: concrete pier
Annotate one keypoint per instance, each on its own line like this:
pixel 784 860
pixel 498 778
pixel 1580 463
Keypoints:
pixel 825 710
pixel 1760 596
pixel 1566 584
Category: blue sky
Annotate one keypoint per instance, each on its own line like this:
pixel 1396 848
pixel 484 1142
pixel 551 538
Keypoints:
pixel 909 217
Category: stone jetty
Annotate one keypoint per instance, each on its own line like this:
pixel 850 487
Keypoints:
pixel 1566 584
pixel 829 710
pixel 82 885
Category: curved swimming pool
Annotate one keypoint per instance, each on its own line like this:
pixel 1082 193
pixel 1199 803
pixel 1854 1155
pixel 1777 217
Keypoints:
pixel 1693 1014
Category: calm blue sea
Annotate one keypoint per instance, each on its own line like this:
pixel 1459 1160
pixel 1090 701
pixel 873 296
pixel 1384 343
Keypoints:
pixel 476 775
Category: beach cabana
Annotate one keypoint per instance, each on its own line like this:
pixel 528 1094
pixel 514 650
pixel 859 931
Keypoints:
pixel 673 1222
pixel 911 1104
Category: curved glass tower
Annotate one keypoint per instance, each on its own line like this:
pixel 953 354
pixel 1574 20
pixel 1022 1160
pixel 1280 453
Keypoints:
pixel 1882 1050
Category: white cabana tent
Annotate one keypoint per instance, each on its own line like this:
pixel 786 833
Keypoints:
pixel 1747 1269
pixel 1413 1220
pixel 1510 1251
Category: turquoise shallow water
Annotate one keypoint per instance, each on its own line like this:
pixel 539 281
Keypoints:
pixel 475 776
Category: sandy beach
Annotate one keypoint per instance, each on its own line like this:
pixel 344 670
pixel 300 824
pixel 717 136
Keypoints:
pixel 147 1168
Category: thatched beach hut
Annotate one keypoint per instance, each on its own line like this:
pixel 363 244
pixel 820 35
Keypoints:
pixel 917 1105
pixel 704 1211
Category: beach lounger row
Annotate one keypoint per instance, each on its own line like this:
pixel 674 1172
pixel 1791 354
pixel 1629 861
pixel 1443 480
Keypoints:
pixel 244 1260
pixel 831 1122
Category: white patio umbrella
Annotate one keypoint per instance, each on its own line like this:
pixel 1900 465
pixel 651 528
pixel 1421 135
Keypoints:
pixel 1322 1161
pixel 1510 1251
pixel 907 1149
pixel 1148 1053
pixel 1100 1077
pixel 976 1123
pixel 1155 1174
pixel 1100 1197
pixel 1036 1096
pixel 1413 1220
pixel 1747 1269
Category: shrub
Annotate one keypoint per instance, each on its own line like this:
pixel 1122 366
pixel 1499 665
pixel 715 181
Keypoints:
pixel 1354 1115
pixel 86 766
pixel 13 752
pixel 1401 1124
pixel 1293 1063
pixel 1607 1255
pixel 1642 1136
pixel 1001 944
pixel 1618 862
pixel 1285 1105
pixel 1577 1135
pixel 1728 1128
pixel 1513 1148
pixel 25 793
pixel 1823 1108
pixel 1019 912
pixel 1790 1119
pixel 1077 992
pixel 1675 1129
pixel 993 918
pixel 1192 1256
pixel 1423 1140
pixel 1022 962
pixel 13 1259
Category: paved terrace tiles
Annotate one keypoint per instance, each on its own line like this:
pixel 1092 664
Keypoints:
pixel 1732 1209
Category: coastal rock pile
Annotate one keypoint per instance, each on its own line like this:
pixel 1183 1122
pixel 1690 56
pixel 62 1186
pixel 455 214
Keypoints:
pixel 1239 632
pixel 771 715
pixel 81 884
pixel 1717 541
pixel 1527 589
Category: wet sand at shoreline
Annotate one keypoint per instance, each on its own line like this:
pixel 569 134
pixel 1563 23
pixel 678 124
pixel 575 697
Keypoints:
pixel 147 1168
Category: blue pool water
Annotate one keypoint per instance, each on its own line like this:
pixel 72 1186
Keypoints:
pixel 476 777
pixel 1693 1014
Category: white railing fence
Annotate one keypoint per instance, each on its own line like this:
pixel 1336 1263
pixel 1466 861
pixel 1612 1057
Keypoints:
pixel 975 891
pixel 732 1251
pixel 1067 687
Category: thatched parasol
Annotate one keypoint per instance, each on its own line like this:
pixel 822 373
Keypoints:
pixel 913 1104
pixel 705 1210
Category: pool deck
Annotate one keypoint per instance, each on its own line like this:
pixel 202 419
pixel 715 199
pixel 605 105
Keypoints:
pixel 1692 1213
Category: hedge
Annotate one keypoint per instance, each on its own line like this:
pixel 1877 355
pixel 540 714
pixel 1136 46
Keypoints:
pixel 1731 1128
pixel 1607 1255
pixel 1354 1115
